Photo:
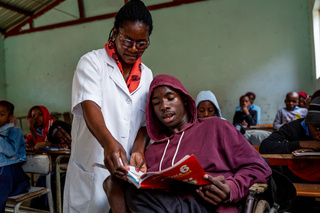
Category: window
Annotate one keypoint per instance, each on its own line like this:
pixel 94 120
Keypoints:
pixel 316 35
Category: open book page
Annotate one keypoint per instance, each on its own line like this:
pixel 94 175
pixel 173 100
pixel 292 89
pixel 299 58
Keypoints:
pixel 133 175
pixel 305 153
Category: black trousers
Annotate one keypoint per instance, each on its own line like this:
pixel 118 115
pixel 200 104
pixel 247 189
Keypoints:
pixel 150 200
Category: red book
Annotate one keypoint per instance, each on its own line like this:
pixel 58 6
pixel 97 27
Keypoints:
pixel 187 170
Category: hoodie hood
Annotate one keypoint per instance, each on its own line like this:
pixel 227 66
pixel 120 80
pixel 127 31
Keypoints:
pixel 209 96
pixel 46 115
pixel 154 127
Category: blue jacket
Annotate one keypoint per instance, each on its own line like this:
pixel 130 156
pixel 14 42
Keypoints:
pixel 12 145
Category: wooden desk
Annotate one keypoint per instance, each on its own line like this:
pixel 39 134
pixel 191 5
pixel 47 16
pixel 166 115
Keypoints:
pixel 57 156
pixel 303 189
pixel 266 127
pixel 283 159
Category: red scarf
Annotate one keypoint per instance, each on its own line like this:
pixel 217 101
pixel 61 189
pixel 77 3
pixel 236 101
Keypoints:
pixel 135 73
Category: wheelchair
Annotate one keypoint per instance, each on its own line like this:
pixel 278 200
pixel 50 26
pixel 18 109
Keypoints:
pixel 274 197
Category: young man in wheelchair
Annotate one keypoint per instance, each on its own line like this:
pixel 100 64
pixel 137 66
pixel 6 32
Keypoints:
pixel 231 163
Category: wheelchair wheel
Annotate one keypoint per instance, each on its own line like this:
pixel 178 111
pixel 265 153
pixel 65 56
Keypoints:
pixel 262 207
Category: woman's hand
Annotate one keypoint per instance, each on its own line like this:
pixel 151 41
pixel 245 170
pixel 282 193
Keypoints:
pixel 217 192
pixel 115 159
pixel 137 160
pixel 311 144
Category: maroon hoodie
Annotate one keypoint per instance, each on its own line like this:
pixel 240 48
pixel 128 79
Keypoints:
pixel 218 146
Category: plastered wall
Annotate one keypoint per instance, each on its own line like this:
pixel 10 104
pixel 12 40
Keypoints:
pixel 227 46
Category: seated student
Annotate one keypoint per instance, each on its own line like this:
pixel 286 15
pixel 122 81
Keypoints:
pixel 207 105
pixel 59 135
pixel 39 122
pixel 246 116
pixel 291 112
pixel 13 180
pixel 299 135
pixel 252 97
pixel 302 99
pixel 232 165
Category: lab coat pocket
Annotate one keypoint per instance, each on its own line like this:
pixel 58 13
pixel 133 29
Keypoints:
pixel 81 188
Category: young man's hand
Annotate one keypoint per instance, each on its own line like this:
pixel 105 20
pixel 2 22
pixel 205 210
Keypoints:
pixel 217 192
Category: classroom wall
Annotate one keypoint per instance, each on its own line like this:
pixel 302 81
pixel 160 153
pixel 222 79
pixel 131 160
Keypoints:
pixel 3 91
pixel 227 46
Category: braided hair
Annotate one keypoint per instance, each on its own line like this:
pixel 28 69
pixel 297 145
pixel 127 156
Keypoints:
pixel 134 10
pixel 56 125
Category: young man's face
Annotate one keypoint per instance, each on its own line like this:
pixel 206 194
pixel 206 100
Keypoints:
pixel 4 116
pixel 291 102
pixel 37 114
pixel 245 101
pixel 169 108
pixel 314 131
pixel 206 109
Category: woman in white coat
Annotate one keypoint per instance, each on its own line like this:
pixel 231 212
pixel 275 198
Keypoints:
pixel 109 92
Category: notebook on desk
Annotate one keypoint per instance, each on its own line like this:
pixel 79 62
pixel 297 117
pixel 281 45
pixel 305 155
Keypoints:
pixel 53 149
pixel 306 153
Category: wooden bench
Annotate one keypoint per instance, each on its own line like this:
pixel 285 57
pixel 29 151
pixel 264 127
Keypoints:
pixel 307 189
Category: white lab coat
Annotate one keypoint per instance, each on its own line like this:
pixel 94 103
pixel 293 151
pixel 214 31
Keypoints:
pixel 98 78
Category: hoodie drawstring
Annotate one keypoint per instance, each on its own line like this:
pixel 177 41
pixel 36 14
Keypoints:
pixel 175 154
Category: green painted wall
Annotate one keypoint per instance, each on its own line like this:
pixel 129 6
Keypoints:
pixel 227 46
pixel 3 91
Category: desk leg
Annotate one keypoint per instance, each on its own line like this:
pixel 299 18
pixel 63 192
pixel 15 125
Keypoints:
pixel 58 185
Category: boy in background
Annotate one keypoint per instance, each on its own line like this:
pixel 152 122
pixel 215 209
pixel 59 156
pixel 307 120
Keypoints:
pixel 302 99
pixel 252 97
pixel 246 116
pixel 13 180
pixel 291 112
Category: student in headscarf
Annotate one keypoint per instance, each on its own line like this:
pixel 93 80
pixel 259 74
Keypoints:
pixel 207 105
pixel 39 122
pixel 231 163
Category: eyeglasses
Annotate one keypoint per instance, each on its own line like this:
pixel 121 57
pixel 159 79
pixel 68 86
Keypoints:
pixel 127 43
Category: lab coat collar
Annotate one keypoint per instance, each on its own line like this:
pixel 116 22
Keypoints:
pixel 117 77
